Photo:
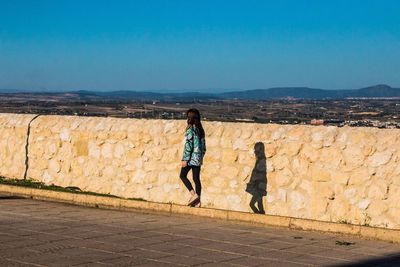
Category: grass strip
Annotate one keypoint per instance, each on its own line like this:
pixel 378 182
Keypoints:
pixel 40 185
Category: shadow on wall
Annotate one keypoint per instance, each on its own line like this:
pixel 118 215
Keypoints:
pixel 257 185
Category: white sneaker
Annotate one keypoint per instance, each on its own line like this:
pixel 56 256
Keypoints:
pixel 193 200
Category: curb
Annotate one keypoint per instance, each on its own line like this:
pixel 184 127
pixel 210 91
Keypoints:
pixel 367 232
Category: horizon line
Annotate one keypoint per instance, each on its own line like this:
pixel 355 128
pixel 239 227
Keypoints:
pixel 177 91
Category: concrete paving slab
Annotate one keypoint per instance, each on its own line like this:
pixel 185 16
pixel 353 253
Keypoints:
pixel 40 233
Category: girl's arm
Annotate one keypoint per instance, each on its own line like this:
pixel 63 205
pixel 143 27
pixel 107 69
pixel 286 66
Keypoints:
pixel 188 147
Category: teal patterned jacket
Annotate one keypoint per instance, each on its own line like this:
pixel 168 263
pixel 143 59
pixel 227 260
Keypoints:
pixel 194 148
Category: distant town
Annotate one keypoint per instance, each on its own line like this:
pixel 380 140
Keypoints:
pixel 381 112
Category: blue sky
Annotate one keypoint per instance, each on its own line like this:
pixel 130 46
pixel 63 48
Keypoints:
pixel 198 45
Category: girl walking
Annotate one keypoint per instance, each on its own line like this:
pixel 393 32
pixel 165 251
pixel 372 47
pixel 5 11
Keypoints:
pixel 193 153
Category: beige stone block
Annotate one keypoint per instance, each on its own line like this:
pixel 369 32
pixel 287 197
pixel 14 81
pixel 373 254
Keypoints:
pixel 368 150
pixel 324 190
pixel 211 213
pixel 81 148
pixel 107 150
pixel 94 150
pixel 351 193
pixel 353 156
pixel 380 158
pixel 145 138
pixel 283 177
pixel 357 137
pixel 359 176
pixel 170 155
pixel 300 166
pixel 383 221
pixel 280 162
pixel 76 169
pixel 297 200
pixel 239 144
pixel 65 135
pixel 119 135
pixel 290 148
pixel 153 153
pixel 363 204
pixel 16 190
pixel 163 207
pixel 51 149
pixel 248 133
pixel 54 166
pixel 279 133
pixel 226 143
pixel 394 212
pixel 246 158
pixel 317 135
pixel 385 139
pixel 229 171
pixel 106 202
pixel 309 153
pixel 298 133
pixel 135 153
pixel 229 156
pixel 338 208
pixel 381 234
pixel 245 173
pixel 119 150
pixel 40 163
pixel 170 128
pixel 270 150
pixel 216 131
pixel 376 208
pixel 340 177
pixel 212 142
pixel 393 195
pixel 302 224
pixel 378 191
pixel 319 207
pixel 319 174
pixel 331 156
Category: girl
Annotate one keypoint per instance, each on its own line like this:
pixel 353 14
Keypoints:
pixel 193 153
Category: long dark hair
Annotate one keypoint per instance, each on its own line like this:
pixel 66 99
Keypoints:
pixel 193 118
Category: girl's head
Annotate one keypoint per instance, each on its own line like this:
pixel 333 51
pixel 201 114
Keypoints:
pixel 193 118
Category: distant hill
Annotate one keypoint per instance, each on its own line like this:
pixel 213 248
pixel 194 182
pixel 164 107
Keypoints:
pixel 311 93
pixel 255 94
pixel 136 95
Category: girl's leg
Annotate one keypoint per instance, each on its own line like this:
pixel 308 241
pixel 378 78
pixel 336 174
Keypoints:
pixel 185 180
pixel 196 179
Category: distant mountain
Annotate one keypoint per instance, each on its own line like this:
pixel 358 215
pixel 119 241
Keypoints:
pixel 256 94
pixel 136 95
pixel 380 90
pixel 311 93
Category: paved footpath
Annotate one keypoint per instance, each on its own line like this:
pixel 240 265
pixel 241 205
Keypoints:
pixel 39 233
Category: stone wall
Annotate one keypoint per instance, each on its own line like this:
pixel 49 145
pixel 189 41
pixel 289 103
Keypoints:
pixel 13 133
pixel 349 175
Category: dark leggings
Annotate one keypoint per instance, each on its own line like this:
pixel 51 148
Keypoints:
pixel 196 178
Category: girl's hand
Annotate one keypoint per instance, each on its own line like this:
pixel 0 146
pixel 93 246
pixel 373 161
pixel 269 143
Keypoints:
pixel 184 163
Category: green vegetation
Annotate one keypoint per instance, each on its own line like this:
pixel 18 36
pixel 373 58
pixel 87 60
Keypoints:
pixel 344 243
pixel 344 221
pixel 367 220
pixel 136 198
pixel 41 185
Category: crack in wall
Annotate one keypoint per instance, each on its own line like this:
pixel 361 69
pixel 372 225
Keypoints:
pixel 27 146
